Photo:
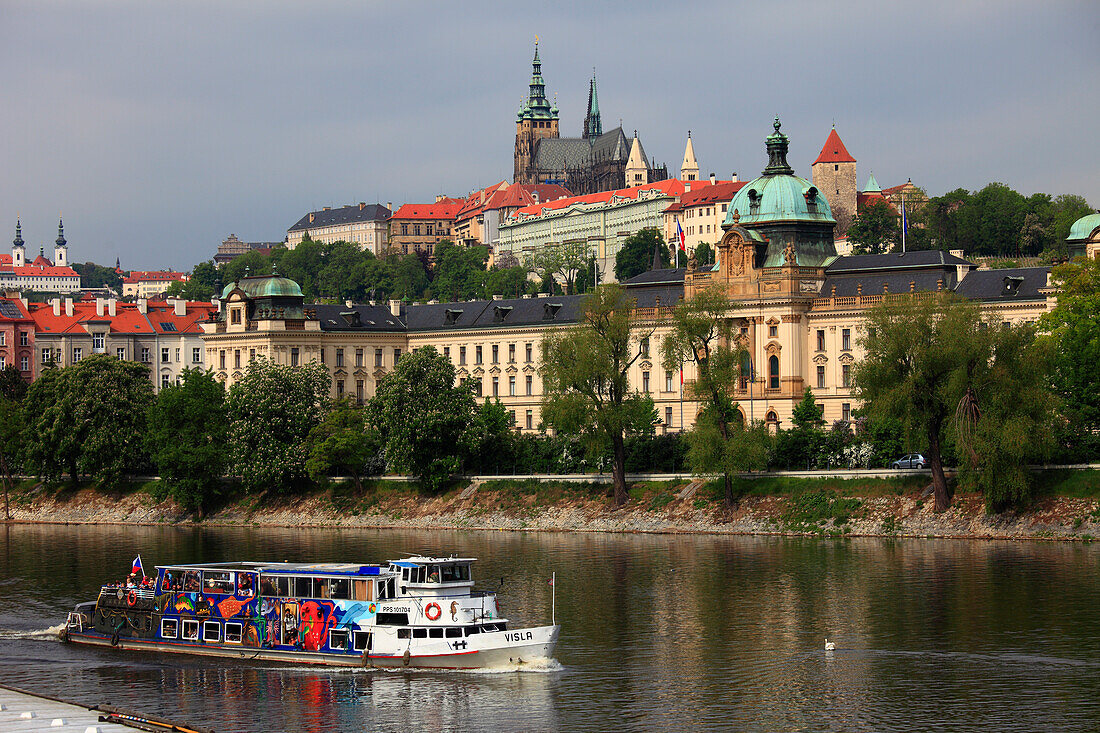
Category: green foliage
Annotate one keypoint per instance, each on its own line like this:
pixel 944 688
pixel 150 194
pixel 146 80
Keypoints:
pixel 586 389
pixel 704 254
pixel 272 410
pixel 809 510
pixel 636 254
pixel 806 414
pixel 511 282
pixel 1073 342
pixel 459 272
pixel 186 438
pixel 489 435
pixel 563 262
pixel 409 277
pixel 251 263
pixel 88 418
pixel 344 443
pixel 12 385
pixel 199 285
pixel 98 276
pixel 423 417
pixel 876 229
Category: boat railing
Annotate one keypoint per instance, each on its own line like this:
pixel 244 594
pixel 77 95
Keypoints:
pixel 75 620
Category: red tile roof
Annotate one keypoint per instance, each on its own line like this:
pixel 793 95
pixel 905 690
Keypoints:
pixel 509 196
pixel 834 150
pixel 863 199
pixel 139 276
pixel 24 314
pixel 896 189
pixel 669 187
pixel 127 318
pixel 36 270
pixel 445 209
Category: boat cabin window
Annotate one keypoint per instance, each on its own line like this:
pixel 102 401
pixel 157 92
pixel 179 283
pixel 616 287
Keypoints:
pixel 191 581
pixel 391 619
pixel 211 631
pixel 282 586
pixel 454 632
pixel 233 633
pixel 339 589
pixel 470 630
pixel 169 628
pixel 267 586
pixel 190 630
pixel 363 591
pixel 435 633
pixel 217 581
pixel 303 587
pixel 172 581
pixel 246 584
pixel 454 573
pixel 338 640
pixel 403 633
pixel 420 633
pixel 361 640
pixel 387 589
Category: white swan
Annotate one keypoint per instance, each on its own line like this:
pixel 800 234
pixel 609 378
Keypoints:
pixel 829 646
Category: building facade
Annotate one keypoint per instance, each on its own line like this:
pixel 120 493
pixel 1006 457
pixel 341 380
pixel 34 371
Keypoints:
pixel 40 275
pixel 150 283
pixel 420 227
pixel 17 337
pixel 478 221
pixel 365 225
pixel 231 248
pixel 700 213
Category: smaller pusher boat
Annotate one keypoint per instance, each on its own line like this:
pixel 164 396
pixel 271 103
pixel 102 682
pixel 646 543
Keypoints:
pixel 414 612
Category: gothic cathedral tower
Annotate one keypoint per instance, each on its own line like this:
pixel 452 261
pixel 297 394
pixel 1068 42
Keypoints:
pixel 536 120
pixel 834 175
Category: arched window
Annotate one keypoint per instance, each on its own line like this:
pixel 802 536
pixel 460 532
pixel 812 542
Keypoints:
pixel 773 371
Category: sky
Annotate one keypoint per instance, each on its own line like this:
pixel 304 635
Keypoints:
pixel 157 129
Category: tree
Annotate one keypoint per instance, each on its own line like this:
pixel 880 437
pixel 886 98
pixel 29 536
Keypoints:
pixel 343 272
pixel 99 276
pixel 88 418
pixel 251 264
pixel 1072 341
pixel 186 438
pixel 875 229
pixel 560 261
pixel 12 385
pixel 704 254
pixel 586 389
pixel 199 285
pixel 11 428
pixel 804 445
pixel 302 265
pixel 272 410
pixel 806 414
pixel 459 272
pixel 409 278
pixel 702 333
pixel 422 416
pixel 918 354
pixel 636 254
pixel 511 282
pixel 343 442
pixel 489 437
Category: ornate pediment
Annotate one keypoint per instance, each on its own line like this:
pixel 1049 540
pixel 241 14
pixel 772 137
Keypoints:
pixel 820 359
pixel 773 321
pixel 494 370
pixel 478 372
pixel 773 347
pixel 529 369
pixel 340 372
pixel 646 365
pixel 846 358
pixel 511 369
pixel 379 374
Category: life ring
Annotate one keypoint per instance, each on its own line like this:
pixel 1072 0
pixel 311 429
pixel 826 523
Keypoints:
pixel 131 598
pixel 428 611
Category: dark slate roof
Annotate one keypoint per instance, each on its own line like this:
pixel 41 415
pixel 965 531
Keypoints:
pixel 576 152
pixel 356 318
pixel 428 316
pixel 1021 283
pixel 895 282
pixel 342 215
pixel 613 145
pixel 664 296
pixel 895 260
pixel 539 311
pixel 657 276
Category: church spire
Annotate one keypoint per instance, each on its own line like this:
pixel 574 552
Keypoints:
pixel 689 169
pixel 18 241
pixel 777 152
pixel 593 127
pixel 60 241
pixel 537 107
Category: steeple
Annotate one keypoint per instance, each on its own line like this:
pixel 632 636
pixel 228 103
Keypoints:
pixel 18 251
pixel 637 173
pixel 777 152
pixel 61 247
pixel 592 126
pixel 60 241
pixel 18 241
pixel 872 185
pixel 537 107
pixel 689 169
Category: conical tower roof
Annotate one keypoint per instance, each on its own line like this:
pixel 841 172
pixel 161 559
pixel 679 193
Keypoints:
pixel 637 157
pixel 872 185
pixel 690 164
pixel 834 151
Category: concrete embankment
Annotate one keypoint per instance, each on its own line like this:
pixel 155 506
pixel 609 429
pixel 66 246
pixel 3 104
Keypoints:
pixel 839 504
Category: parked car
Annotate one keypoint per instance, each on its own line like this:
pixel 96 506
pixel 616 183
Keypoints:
pixel 912 460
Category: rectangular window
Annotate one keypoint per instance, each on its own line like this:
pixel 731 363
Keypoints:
pixel 511 353
pixel 169 628
pixel 668 381
pixel 164 354
pixel 211 632
pixel 668 416
pixel 47 355
pixel 359 391
pixel 478 389
pixel 820 377
pixel 511 386
pixel 773 332
pixel 340 358
pixel 24 364
pixel 165 380
pixel 97 341
pixel 529 348
pixel 512 418
pixel 530 383
pixel 378 358
pixel 846 375
pixel 233 632
pixel 645 382
pixel 820 339
pixel 360 640
pixel 221 357
pixel 477 354
pixel 217 581
pixel 4 338
pixel 447 353
pixel 196 355
pixel 322 353
pixel 24 339
pixel 530 424
pixel 303 587
pixel 190 630
pixel 295 355
pixel 78 354
pixel 846 339
pixel 461 355
pixel 359 358
pixel 237 358
pixel 339 388
pixel 235 316
pixel 178 355
pixel 645 347
pixel 396 356
pixel 845 411
pixel 496 352
pixel 338 640
pixel 496 386
pixel 145 356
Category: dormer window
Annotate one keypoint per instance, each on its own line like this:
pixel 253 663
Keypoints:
pixel 351 318
pixel 810 194
pixel 754 201
pixel 451 316
pixel 550 311
pixel 235 315
pixel 500 313
pixel 1012 285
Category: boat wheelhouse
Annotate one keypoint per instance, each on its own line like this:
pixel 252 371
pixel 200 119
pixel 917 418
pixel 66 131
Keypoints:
pixel 418 611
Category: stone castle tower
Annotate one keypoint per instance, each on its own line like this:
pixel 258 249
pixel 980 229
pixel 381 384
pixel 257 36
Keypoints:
pixel 536 120
pixel 834 175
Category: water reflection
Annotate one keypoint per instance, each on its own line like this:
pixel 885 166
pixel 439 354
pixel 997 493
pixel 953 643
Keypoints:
pixel 659 632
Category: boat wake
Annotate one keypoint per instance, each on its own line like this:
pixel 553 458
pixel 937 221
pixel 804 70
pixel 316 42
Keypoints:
pixel 49 634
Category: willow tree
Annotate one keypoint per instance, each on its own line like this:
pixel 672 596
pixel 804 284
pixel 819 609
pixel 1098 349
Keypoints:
pixel 702 334
pixel 585 380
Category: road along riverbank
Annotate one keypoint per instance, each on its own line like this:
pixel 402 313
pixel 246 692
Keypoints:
pixel 1068 507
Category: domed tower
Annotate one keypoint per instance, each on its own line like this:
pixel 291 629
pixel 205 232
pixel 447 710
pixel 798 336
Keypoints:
pixel 61 247
pixel 18 247
pixel 537 119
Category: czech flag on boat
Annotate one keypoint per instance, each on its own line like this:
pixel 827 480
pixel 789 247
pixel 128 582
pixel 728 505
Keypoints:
pixel 137 566
pixel 680 236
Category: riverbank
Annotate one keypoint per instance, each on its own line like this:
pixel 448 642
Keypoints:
pixel 1068 507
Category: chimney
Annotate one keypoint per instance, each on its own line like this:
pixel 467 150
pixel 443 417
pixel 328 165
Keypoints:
pixel 713 179
pixel 956 253
pixel 111 310
pixel 349 303
pixel 181 307
pixel 56 302
pixel 68 306
pixel 389 205
pixel 498 297
pixel 362 206
pixel 142 306
pixel 734 177
pixel 438 198
pixel 395 308
pixel 99 306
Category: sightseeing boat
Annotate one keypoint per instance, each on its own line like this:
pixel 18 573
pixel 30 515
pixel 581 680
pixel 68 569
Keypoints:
pixel 414 612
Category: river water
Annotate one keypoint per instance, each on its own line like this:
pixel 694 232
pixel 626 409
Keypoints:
pixel 659 632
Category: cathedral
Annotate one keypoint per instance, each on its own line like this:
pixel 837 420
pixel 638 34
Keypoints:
pixel 594 162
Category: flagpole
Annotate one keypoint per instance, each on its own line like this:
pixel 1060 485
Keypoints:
pixel 904 223
pixel 553 599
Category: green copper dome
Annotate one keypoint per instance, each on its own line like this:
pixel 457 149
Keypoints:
pixel 1083 227
pixel 270 286
pixel 778 195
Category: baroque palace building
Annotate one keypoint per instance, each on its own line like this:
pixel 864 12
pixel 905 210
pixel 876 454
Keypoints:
pixel 799 311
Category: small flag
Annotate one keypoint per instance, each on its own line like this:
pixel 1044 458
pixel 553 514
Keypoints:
pixel 551 581
pixel 680 236
pixel 137 566
pixel 904 218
